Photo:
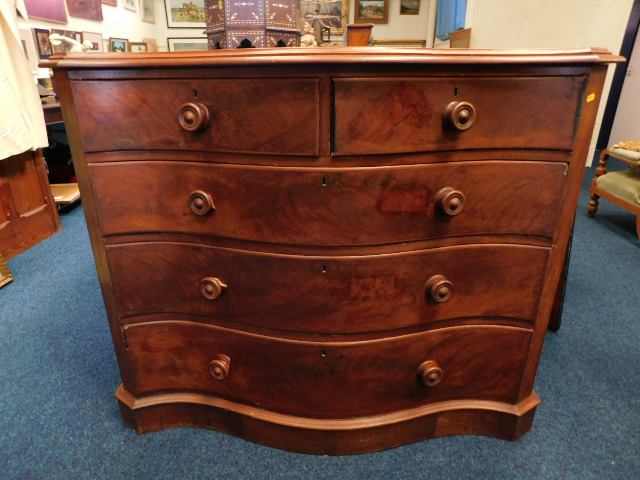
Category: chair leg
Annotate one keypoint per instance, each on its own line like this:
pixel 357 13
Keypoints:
pixel 601 170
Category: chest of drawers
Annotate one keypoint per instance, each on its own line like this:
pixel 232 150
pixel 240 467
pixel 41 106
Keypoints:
pixel 330 251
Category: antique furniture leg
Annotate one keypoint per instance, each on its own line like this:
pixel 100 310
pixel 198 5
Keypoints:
pixel 601 170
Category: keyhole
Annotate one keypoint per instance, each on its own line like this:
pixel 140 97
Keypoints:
pixel 325 269
pixel 455 91
pixel 195 94
pixel 323 353
pixel 325 181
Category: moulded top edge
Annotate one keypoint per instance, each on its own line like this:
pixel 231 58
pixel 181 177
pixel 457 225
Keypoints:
pixel 329 55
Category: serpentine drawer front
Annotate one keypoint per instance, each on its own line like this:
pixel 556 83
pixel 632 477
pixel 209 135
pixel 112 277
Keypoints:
pixel 333 295
pixel 347 206
pixel 330 250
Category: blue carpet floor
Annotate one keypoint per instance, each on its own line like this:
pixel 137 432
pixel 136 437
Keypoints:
pixel 58 417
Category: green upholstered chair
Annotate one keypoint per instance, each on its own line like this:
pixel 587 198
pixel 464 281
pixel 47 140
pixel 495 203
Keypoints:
pixel 620 187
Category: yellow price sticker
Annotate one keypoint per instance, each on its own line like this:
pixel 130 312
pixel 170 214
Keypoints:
pixel 591 97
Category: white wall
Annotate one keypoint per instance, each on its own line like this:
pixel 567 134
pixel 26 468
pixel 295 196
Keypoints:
pixel 551 24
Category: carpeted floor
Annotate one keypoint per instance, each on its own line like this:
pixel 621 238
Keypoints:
pixel 58 417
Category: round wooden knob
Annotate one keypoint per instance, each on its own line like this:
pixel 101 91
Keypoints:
pixel 439 289
pixel 430 374
pixel 450 201
pixel 201 203
pixel 193 117
pixel 212 287
pixel 219 367
pixel 459 115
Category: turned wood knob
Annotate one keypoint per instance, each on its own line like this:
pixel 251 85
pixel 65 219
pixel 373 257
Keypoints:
pixel 201 202
pixel 459 115
pixel 439 289
pixel 430 373
pixel 193 117
pixel 219 368
pixel 212 287
pixel 450 201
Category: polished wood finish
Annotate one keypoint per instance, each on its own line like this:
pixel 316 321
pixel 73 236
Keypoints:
pixel 28 213
pixel 381 205
pixel 359 34
pixel 331 265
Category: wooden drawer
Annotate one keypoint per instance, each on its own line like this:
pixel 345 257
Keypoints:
pixel 347 206
pixel 332 295
pixel 395 115
pixel 260 116
pixel 326 380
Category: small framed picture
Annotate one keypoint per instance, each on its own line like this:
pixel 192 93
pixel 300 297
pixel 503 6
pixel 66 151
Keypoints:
pixel 148 11
pixel 95 39
pixel 120 45
pixel 42 42
pixel 138 47
pixel 372 11
pixel 130 5
pixel 409 7
pixel 181 14
pixel 185 44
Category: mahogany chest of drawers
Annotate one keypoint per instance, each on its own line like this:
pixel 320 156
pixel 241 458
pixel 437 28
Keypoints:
pixel 330 251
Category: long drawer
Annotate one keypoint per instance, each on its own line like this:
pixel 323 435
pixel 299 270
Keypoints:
pixel 327 380
pixel 258 115
pixel 342 206
pixel 332 295
pixel 396 115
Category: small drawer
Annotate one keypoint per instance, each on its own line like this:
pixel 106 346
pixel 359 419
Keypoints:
pixel 329 295
pixel 404 115
pixel 258 116
pixel 333 207
pixel 327 380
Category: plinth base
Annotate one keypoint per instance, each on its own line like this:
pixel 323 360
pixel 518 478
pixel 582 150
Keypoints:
pixel 327 436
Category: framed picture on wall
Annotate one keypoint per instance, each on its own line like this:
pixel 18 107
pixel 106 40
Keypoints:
pixel 119 45
pixel 95 39
pixel 64 46
pixel 89 9
pixel 187 43
pixel 43 45
pixel 130 5
pixel 113 3
pixel 372 11
pixel 49 10
pixel 181 14
pixel 335 13
pixel 148 11
pixel 409 7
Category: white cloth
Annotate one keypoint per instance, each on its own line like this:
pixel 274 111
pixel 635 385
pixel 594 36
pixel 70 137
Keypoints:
pixel 22 125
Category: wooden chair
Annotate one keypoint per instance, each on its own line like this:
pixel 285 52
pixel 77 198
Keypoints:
pixel 619 187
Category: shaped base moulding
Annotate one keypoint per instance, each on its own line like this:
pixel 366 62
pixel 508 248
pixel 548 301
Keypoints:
pixel 327 436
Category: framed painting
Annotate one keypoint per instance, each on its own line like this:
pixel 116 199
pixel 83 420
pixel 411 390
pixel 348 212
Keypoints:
pixel 64 47
pixel 148 11
pixel 334 13
pixel 43 45
pixel 137 47
pixel 372 11
pixel 130 5
pixel 89 9
pixel 113 3
pixel 182 14
pixel 187 43
pixel 95 39
pixel 119 45
pixel 49 10
pixel 409 7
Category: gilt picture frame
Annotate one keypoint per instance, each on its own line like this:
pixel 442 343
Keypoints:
pixel 372 11
pixel 181 14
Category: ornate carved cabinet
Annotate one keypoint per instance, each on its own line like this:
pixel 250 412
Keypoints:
pixel 330 251
pixel 257 23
